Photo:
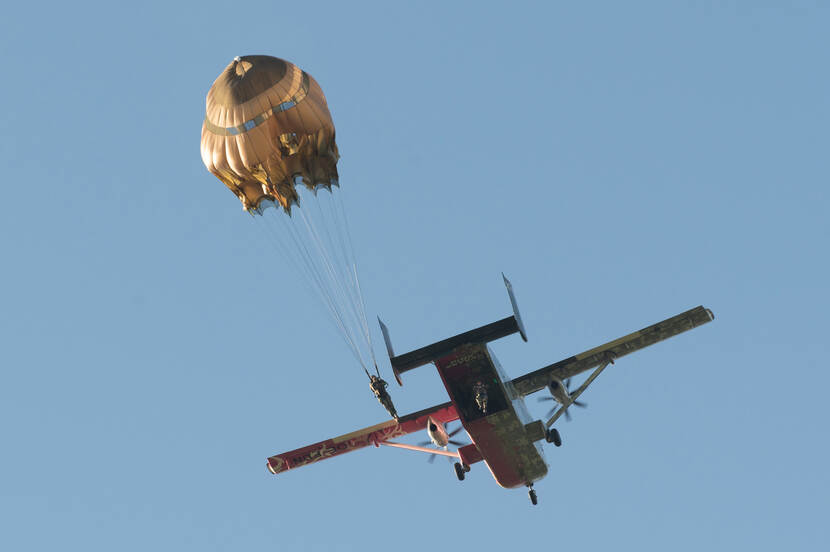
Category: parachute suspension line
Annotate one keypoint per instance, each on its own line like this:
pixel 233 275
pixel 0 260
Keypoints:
pixel 337 265
pixel 323 276
pixel 302 268
pixel 338 213
pixel 283 248
pixel 280 248
pixel 337 278
pixel 315 241
pixel 301 261
pixel 337 208
pixel 298 261
pixel 365 324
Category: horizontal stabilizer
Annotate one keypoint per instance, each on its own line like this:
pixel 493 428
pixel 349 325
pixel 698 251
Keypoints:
pixel 484 334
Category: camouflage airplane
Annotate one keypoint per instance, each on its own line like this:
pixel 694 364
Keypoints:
pixel 490 406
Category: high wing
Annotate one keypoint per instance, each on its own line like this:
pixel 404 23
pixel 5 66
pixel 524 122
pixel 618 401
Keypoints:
pixel 535 381
pixel 374 435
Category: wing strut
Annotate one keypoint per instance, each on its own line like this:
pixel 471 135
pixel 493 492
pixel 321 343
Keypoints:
pixel 609 359
pixel 451 454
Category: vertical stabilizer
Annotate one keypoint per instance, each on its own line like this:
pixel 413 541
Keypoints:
pixel 391 352
pixel 516 315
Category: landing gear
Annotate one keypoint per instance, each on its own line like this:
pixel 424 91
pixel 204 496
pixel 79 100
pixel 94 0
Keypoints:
pixel 552 436
pixel 461 471
pixel 532 494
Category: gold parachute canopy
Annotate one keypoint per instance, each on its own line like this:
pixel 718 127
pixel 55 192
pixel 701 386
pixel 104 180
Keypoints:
pixel 267 127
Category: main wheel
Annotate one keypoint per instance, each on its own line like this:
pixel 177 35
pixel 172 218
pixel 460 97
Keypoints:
pixel 532 494
pixel 552 436
pixel 459 471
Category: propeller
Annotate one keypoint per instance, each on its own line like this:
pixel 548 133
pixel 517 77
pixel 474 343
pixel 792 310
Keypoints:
pixel 580 404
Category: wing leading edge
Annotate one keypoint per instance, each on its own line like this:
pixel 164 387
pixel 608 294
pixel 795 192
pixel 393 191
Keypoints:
pixel 535 381
pixel 373 435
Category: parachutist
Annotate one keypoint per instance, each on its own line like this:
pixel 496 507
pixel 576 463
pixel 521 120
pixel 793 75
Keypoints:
pixel 378 387
pixel 480 391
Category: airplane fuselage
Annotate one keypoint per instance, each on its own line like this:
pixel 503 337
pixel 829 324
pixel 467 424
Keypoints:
pixel 503 435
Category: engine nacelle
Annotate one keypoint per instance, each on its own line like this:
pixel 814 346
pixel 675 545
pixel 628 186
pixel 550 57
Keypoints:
pixel 559 391
pixel 437 433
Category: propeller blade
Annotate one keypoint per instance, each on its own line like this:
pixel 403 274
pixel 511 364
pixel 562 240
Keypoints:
pixel 543 399
pixel 580 404
pixel 454 431
pixel 424 443
pixel 567 415
pixel 432 458
pixel 456 443
pixel 552 410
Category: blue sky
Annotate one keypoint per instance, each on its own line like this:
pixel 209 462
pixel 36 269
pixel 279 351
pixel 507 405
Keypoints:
pixel 620 164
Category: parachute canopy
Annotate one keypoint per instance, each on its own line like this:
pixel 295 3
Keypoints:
pixel 267 128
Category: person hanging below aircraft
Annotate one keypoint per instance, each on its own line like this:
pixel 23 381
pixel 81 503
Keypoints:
pixel 378 387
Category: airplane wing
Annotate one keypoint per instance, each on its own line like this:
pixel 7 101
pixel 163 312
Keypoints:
pixel 534 381
pixel 373 435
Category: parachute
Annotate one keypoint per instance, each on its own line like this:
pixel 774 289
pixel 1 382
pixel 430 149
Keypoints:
pixel 269 137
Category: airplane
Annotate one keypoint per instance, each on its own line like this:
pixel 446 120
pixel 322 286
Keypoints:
pixel 489 405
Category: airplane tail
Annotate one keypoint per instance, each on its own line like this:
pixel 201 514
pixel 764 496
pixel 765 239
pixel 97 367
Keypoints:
pixel 484 334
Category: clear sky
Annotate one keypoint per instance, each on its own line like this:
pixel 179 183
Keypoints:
pixel 621 162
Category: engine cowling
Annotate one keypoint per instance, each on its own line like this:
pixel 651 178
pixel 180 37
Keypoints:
pixel 437 433
pixel 559 391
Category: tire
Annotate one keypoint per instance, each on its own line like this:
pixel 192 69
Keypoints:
pixel 554 437
pixel 532 494
pixel 459 471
